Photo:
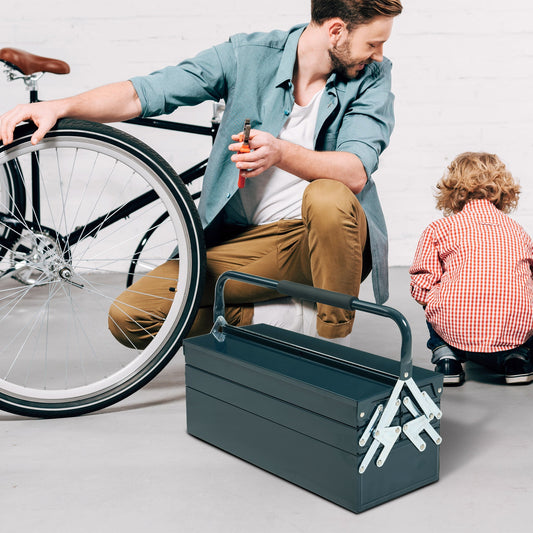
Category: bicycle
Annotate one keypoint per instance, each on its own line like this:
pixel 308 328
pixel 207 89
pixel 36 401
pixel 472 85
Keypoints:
pixel 82 215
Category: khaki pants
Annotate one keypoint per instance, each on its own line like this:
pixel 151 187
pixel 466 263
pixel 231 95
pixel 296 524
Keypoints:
pixel 327 248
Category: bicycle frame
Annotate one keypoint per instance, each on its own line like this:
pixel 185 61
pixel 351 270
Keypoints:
pixel 198 170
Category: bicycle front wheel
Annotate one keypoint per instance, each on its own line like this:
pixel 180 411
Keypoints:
pixel 73 210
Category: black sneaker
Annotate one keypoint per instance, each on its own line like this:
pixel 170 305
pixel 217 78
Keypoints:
pixel 517 370
pixel 452 370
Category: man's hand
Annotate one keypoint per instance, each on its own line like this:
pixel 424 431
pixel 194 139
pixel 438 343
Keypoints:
pixel 265 153
pixel 268 151
pixel 43 114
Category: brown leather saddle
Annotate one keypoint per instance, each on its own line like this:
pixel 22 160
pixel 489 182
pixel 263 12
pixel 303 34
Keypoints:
pixel 28 64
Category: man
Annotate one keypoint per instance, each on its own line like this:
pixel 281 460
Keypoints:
pixel 319 100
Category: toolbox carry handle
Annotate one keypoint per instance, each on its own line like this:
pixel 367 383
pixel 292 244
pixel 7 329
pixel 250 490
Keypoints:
pixel 313 294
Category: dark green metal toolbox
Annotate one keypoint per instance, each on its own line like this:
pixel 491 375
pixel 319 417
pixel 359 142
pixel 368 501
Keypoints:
pixel 356 428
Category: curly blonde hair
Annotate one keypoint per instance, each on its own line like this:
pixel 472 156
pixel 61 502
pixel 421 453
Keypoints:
pixel 476 176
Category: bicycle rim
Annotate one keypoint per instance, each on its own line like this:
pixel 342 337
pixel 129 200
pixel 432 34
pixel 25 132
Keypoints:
pixel 68 258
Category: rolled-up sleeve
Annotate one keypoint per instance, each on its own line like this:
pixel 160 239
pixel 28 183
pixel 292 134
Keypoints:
pixel 367 125
pixel 426 270
pixel 204 77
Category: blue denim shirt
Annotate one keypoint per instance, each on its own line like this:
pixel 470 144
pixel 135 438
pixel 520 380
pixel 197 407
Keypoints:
pixel 253 75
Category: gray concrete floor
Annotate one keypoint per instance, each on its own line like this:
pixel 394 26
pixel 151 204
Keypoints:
pixel 132 467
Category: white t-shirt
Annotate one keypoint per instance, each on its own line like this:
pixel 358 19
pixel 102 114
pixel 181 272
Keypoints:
pixel 277 194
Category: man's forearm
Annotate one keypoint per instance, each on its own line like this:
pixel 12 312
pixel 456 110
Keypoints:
pixel 310 165
pixel 110 103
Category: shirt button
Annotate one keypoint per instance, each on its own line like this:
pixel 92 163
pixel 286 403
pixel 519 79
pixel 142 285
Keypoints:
pixel 287 112
pixel 228 195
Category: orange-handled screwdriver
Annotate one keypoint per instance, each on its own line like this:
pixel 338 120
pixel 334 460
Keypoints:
pixel 244 149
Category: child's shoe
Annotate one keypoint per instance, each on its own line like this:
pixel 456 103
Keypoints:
pixel 517 369
pixel 452 370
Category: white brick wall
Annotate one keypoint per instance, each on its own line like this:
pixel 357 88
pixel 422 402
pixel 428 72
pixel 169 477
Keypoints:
pixel 462 78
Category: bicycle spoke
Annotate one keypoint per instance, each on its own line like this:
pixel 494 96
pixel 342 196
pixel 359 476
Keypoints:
pixel 30 327
pixel 132 308
pixel 99 293
pixel 79 328
pixel 15 292
pixel 35 354
pixel 85 188
pixel 65 194
pixel 8 307
pixel 46 178
pixel 110 235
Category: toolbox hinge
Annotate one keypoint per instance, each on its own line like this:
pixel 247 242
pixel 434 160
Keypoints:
pixel 218 328
pixel 384 435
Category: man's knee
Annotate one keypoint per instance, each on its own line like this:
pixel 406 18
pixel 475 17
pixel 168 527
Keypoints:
pixel 120 325
pixel 138 313
pixel 328 201
pixel 129 324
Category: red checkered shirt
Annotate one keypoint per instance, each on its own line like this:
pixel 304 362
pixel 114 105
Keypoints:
pixel 473 271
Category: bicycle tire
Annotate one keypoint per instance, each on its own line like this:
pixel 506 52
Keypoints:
pixel 12 194
pixel 100 189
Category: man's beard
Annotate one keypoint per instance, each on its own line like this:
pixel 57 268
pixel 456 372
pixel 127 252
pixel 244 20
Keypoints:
pixel 341 64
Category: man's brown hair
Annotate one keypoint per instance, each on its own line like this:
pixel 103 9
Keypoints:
pixel 353 12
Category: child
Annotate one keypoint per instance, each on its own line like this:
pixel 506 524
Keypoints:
pixel 472 272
